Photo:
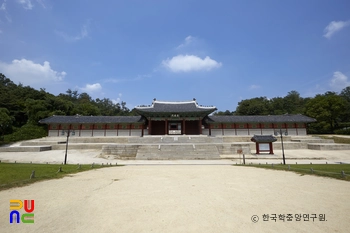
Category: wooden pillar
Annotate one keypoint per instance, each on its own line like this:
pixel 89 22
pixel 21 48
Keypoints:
pixel 166 127
pixel 257 147
pixel 209 129
pixel 58 130
pixel 200 126
pixel 149 126
pixel 184 126
pixel 48 129
pixel 271 148
pixel 80 127
pixel 142 126
pixel 286 127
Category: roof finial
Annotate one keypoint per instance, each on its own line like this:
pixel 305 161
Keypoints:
pixel 194 99
pixel 154 99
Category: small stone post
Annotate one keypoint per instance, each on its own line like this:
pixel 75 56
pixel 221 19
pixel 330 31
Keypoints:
pixel 343 174
pixel 32 175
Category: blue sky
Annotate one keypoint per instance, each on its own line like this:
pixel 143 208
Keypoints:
pixel 219 52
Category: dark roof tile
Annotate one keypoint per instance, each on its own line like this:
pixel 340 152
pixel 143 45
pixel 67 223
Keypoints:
pixel 91 119
pixel 175 107
pixel 263 138
pixel 298 118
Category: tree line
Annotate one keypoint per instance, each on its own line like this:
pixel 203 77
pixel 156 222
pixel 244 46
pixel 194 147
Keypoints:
pixel 21 107
pixel 331 110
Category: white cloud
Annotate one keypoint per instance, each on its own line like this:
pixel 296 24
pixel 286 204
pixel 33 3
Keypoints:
pixel 119 80
pixel 339 81
pixel 92 88
pixel 30 73
pixel 115 101
pixel 333 27
pixel 254 87
pixel 41 3
pixel 188 40
pixel 6 14
pixel 27 4
pixel 84 32
pixel 3 6
pixel 188 63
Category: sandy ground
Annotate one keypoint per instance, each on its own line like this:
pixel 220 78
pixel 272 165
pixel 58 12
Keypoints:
pixel 161 197
pixel 183 198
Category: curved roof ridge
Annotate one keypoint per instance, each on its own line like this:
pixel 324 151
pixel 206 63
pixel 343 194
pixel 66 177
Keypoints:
pixel 174 102
pixel 160 103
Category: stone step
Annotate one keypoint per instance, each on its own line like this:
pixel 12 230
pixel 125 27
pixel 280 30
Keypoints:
pixel 177 152
pixel 328 146
pixel 25 148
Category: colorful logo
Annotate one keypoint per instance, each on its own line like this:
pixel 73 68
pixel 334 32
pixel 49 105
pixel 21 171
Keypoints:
pixel 16 205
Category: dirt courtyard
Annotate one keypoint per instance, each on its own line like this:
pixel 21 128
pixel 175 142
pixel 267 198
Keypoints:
pixel 182 198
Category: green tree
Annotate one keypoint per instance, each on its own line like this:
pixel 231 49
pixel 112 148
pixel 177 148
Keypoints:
pixel 255 106
pixel 293 103
pixel 36 110
pixel 5 121
pixel 277 106
pixel 226 113
pixel 345 93
pixel 327 109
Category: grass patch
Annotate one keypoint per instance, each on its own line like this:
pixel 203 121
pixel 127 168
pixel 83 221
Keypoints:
pixel 337 139
pixel 326 170
pixel 18 174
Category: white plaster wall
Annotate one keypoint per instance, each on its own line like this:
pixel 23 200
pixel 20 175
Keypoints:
pixel 242 131
pixel 229 132
pixel 99 133
pixel 136 132
pixel 205 131
pixel 52 133
pixel 254 131
pixel 86 133
pixel 292 131
pixel 268 132
pixel 123 132
pixel 302 132
pixel 216 132
pixel 111 132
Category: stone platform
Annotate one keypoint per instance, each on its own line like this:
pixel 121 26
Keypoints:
pixel 172 147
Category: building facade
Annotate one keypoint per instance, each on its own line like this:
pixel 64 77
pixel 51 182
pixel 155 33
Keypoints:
pixel 175 118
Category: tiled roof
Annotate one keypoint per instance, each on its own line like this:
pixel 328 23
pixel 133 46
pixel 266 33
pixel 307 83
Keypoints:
pixel 263 138
pixel 91 119
pixel 175 107
pixel 262 119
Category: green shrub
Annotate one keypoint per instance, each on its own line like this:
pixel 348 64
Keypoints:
pixel 26 132
pixel 342 131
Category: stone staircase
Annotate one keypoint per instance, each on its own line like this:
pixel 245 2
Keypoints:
pixel 119 151
pixel 178 151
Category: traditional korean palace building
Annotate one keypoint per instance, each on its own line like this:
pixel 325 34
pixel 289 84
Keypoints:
pixel 175 118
